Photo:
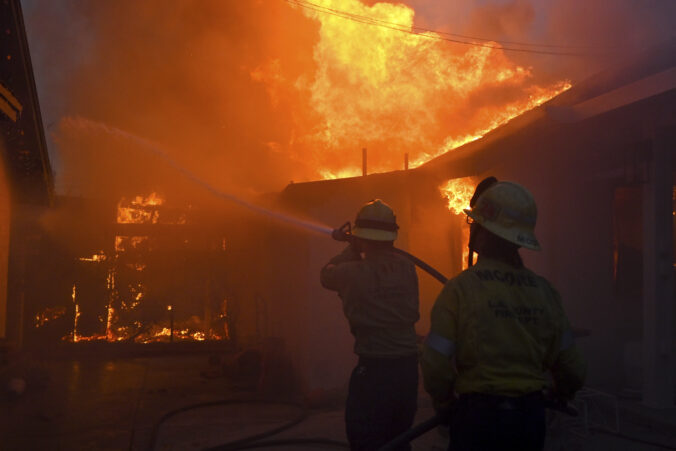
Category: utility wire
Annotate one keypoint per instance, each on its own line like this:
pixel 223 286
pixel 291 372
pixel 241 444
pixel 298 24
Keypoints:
pixel 440 35
pixel 446 33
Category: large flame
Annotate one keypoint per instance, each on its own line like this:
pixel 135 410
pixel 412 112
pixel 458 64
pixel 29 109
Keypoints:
pixel 458 193
pixel 398 92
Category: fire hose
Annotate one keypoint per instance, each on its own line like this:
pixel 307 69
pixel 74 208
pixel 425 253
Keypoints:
pixel 344 233
pixel 441 419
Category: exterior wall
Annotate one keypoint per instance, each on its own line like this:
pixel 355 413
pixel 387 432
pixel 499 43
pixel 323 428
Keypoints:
pixel 574 172
pixel 4 248
pixel 306 316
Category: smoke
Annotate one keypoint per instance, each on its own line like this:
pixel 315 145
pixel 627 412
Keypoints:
pixel 610 31
pixel 176 73
pixel 250 95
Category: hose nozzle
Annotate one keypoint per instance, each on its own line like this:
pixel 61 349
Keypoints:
pixel 343 233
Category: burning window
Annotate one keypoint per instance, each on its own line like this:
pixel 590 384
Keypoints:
pixel 121 292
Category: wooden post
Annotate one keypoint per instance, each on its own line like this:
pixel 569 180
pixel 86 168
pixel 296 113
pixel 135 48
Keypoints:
pixel 207 310
pixel 658 274
pixel 406 162
pixel 363 162
pixel 171 323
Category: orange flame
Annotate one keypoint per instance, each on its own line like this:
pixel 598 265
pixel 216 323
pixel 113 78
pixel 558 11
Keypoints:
pixel 499 118
pixel 76 317
pixel 49 314
pixel 458 193
pixel 139 209
pixel 399 92
pixel 96 258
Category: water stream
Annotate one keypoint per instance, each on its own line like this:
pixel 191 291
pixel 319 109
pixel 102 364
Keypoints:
pixel 91 126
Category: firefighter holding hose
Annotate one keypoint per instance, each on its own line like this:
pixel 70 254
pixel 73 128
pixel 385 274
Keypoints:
pixel 379 292
pixel 496 330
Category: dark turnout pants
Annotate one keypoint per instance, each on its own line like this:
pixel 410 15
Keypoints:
pixel 381 402
pixel 487 422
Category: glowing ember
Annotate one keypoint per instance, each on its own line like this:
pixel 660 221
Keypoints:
pixel 126 243
pixel 49 314
pixel 109 322
pixel 96 258
pixel 398 92
pixel 137 266
pixel 76 317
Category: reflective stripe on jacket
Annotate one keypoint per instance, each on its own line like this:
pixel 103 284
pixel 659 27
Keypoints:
pixel 380 300
pixel 497 329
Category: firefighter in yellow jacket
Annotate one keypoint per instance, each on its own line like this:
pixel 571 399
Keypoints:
pixel 379 291
pixel 497 329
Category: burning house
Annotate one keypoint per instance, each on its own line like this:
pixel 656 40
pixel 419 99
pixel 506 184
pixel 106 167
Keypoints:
pixel 149 246
pixel 129 269
pixel 132 263
pixel 598 159
pixel 142 272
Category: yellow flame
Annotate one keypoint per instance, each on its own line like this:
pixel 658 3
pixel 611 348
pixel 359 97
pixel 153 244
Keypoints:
pixel 100 256
pixel 458 193
pixel 340 174
pixel 109 322
pixel 49 314
pixel 399 91
pixel 138 211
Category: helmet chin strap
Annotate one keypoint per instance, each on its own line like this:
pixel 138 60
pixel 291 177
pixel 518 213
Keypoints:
pixel 472 250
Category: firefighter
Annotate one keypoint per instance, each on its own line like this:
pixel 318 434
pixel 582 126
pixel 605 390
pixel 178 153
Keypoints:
pixel 496 330
pixel 379 293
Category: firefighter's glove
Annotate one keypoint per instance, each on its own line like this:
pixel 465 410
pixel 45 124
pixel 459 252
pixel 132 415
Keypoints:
pixel 340 235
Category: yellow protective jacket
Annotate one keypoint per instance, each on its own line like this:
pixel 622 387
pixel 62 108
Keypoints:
pixel 380 300
pixel 497 329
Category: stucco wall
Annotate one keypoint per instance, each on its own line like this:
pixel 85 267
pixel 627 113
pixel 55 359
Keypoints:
pixel 4 247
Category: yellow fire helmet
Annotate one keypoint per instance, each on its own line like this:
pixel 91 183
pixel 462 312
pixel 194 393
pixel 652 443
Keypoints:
pixel 508 210
pixel 376 221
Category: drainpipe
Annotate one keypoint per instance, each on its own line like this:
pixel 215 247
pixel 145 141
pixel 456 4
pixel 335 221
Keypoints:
pixel 658 273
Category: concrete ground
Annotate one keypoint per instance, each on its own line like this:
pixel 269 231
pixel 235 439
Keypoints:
pixel 97 403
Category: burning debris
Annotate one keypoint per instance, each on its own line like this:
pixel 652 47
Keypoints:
pixel 139 210
pixel 49 314
pixel 155 284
